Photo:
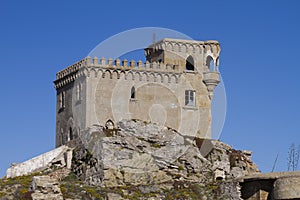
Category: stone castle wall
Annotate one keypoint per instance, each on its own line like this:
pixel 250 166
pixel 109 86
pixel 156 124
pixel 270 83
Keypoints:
pixel 106 92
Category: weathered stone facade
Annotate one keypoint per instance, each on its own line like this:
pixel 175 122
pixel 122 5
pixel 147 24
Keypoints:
pixel 173 88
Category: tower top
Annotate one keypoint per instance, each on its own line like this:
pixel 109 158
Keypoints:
pixel 184 41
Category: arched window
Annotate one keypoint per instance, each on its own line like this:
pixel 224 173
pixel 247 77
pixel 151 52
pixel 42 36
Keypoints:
pixel 132 96
pixel 109 125
pixel 189 64
pixel 210 63
pixel 62 99
pixel 70 136
pixel 217 63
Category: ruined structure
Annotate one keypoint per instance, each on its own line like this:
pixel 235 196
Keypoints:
pixel 59 157
pixel 271 186
pixel 173 88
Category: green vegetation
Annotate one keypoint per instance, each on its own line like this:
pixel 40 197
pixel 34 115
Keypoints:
pixel 2 194
pixel 16 187
pixel 24 181
pixel 71 187
pixel 194 191
pixel 155 145
pixel 93 192
pixel 180 160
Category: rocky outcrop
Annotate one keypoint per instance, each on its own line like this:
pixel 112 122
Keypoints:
pixel 45 187
pixel 138 153
pixel 86 167
pixel 139 160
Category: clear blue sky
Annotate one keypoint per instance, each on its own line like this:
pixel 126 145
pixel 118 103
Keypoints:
pixel 259 64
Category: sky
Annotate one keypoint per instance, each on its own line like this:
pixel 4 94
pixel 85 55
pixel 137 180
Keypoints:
pixel 258 63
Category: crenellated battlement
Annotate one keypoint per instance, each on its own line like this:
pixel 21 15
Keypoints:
pixel 209 49
pixel 185 46
pixel 70 69
pixel 88 64
pixel 128 65
pixel 115 64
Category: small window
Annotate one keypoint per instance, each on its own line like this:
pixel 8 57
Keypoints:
pixel 132 96
pixel 109 125
pixel 70 136
pixel 78 92
pixel 62 99
pixel 190 98
pixel 189 65
pixel 210 63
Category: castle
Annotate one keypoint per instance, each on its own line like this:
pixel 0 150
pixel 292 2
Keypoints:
pixel 173 88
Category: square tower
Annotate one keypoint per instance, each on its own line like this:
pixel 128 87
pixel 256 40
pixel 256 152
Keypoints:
pixel 173 88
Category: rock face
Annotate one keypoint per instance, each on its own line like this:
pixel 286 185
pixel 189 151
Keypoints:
pixel 139 153
pixel 137 160
pixel 140 160
pixel 45 187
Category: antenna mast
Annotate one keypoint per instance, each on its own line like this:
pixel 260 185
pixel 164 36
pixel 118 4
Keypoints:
pixel 153 39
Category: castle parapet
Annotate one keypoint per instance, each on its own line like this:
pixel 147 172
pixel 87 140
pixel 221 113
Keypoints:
pixel 71 73
pixel 184 46
pixel 127 65
pixel 71 69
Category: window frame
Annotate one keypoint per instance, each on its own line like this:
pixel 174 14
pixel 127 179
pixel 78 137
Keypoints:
pixel 190 98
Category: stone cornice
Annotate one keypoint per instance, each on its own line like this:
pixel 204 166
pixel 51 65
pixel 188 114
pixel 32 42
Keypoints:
pixel 186 46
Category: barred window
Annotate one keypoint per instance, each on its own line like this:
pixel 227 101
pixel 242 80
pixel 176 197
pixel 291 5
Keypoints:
pixel 190 98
